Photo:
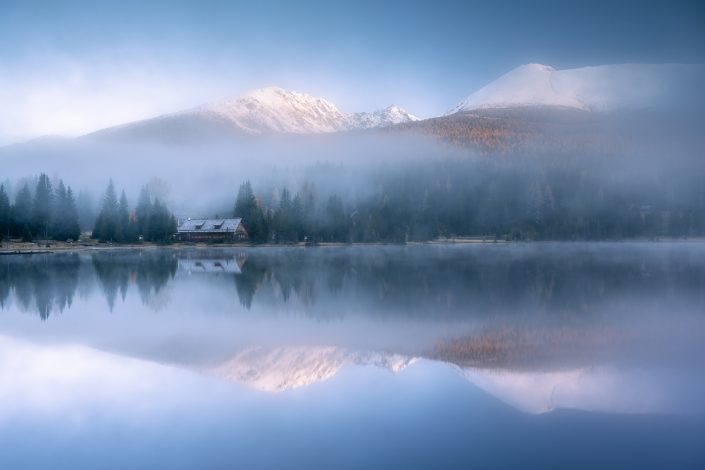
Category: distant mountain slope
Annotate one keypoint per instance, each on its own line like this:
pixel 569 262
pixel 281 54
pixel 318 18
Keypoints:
pixel 600 88
pixel 271 110
pixel 521 129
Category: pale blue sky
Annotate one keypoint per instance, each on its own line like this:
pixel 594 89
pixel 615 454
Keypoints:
pixel 68 67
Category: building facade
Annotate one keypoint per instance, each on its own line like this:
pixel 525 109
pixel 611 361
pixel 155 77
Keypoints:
pixel 212 230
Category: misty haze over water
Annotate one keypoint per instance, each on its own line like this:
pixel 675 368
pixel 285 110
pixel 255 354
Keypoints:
pixel 446 234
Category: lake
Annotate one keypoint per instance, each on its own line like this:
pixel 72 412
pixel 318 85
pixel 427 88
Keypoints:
pixel 568 355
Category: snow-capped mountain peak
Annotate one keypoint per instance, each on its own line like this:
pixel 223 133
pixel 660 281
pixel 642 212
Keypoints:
pixel 382 118
pixel 599 88
pixel 276 110
pixel 526 85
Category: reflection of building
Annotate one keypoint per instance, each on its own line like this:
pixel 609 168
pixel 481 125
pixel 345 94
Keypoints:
pixel 212 230
pixel 201 265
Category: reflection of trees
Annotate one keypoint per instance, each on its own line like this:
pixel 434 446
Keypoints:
pixel 483 280
pixel 248 281
pixel 150 271
pixel 46 283
pixel 573 281
pixel 5 287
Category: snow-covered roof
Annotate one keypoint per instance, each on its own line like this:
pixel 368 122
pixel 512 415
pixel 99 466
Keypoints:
pixel 209 225
pixel 203 265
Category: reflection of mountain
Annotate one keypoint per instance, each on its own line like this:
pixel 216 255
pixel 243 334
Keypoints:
pixel 595 388
pixel 283 368
pixel 600 389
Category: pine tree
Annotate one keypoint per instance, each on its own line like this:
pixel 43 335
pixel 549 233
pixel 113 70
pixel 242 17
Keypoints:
pixel 22 211
pixel 162 224
pixel 26 233
pixel 86 210
pixel 5 214
pixel 282 217
pixel 248 209
pixel 142 211
pixel 72 227
pixel 337 227
pixel 42 207
pixel 65 225
pixel 123 217
pixel 297 211
pixel 107 224
pixel 58 223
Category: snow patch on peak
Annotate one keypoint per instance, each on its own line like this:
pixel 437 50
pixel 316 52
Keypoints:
pixel 526 85
pixel 388 116
pixel 276 110
pixel 598 88
pixel 284 368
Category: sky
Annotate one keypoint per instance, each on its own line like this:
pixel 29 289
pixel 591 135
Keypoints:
pixel 70 67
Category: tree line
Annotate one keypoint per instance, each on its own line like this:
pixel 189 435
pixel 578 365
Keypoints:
pixel 46 212
pixel 557 199
pixel 150 221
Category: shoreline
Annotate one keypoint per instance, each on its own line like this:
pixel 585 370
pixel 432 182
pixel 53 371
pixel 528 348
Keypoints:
pixel 33 248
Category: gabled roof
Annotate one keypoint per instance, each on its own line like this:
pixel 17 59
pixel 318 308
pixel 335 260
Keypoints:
pixel 209 225
pixel 210 265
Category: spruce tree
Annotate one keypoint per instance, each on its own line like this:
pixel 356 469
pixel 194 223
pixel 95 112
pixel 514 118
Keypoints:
pixel 86 210
pixel 282 218
pixel 5 214
pixel 247 208
pixel 58 225
pixel 162 224
pixel 73 228
pixel 107 224
pixel 123 220
pixel 296 218
pixel 42 207
pixel 26 233
pixel 22 210
pixel 142 211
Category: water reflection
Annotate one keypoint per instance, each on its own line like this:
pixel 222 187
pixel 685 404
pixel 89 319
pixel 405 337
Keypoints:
pixel 41 283
pixel 576 281
pixel 149 271
pixel 539 326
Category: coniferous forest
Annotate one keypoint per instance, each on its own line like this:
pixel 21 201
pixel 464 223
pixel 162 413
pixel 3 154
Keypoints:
pixel 49 212
pixel 418 201
pixel 489 199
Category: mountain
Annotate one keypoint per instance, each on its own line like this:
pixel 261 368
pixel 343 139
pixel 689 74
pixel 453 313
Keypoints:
pixel 284 368
pixel 600 88
pixel 271 110
pixel 597 388
pixel 383 118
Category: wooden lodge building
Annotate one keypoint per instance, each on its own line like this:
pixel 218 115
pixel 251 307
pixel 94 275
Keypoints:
pixel 211 230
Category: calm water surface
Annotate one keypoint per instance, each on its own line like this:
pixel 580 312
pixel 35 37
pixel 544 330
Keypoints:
pixel 546 355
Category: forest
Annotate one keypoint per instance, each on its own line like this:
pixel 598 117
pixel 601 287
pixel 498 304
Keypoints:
pixel 494 198
pixel 50 212
pixel 554 199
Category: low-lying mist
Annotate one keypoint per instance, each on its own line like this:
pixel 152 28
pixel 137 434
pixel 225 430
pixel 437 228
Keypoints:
pixel 594 176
